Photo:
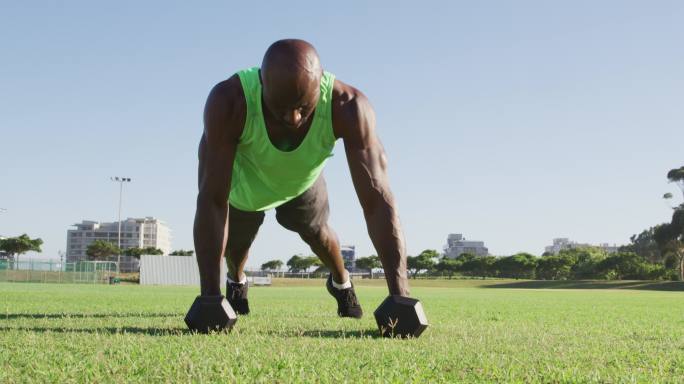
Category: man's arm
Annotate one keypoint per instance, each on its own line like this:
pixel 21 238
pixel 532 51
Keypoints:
pixel 368 167
pixel 217 148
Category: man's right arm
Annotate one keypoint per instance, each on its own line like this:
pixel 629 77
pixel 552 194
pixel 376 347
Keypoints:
pixel 223 121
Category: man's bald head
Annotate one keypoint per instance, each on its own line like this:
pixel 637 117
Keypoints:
pixel 291 57
pixel 291 76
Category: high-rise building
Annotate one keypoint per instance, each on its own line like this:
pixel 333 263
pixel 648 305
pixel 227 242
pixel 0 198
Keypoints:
pixel 135 232
pixel 457 245
pixel 562 243
pixel 349 256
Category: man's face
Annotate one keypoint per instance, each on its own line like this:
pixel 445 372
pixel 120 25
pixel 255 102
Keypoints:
pixel 291 100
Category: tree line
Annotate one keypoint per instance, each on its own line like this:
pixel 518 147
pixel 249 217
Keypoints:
pixel 97 250
pixel 102 250
pixel 631 262
pixel 588 263
pixel 654 254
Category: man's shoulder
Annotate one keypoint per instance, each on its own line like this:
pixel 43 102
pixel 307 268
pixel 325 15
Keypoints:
pixel 351 109
pixel 229 93
pixel 226 107
pixel 345 96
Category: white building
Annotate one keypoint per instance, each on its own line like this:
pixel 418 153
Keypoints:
pixel 457 245
pixel 140 233
pixel 562 243
pixel 349 256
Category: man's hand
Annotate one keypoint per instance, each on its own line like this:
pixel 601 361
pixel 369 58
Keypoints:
pixel 354 120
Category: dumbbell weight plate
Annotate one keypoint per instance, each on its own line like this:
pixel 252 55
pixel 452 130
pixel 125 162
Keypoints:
pixel 210 313
pixel 400 316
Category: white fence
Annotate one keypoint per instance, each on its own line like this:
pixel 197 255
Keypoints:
pixel 171 270
pixel 259 280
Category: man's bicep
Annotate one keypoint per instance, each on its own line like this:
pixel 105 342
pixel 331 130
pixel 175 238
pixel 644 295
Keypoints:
pixel 217 146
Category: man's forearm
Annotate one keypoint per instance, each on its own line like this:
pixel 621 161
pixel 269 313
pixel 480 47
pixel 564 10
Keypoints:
pixel 385 232
pixel 210 232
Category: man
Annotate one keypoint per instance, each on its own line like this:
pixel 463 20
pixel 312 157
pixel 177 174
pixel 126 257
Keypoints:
pixel 267 134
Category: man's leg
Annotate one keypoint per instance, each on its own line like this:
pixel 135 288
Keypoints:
pixel 242 229
pixel 307 214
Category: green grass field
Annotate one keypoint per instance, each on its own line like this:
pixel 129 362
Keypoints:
pixel 479 332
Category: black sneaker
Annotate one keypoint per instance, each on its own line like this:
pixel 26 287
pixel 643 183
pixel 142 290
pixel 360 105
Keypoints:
pixel 236 294
pixel 347 303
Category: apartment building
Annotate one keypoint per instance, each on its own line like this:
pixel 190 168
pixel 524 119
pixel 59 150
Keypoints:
pixel 457 245
pixel 135 232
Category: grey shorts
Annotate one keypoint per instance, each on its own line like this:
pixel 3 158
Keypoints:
pixel 306 214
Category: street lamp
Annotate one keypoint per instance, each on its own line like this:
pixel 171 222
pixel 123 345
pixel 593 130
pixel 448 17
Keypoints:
pixel 121 181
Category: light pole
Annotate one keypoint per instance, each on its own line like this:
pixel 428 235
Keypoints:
pixel 121 181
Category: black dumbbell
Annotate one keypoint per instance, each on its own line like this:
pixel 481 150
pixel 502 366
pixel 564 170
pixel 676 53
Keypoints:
pixel 400 316
pixel 210 313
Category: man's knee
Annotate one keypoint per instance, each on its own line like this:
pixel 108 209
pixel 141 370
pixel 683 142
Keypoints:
pixel 314 235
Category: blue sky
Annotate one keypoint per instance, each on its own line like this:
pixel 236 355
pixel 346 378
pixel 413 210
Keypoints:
pixel 511 122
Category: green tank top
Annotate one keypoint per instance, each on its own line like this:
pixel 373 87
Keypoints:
pixel 265 177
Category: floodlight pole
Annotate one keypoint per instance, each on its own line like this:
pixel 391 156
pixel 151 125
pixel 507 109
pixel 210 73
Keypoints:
pixel 121 181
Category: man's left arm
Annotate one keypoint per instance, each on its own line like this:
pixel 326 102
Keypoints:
pixel 368 167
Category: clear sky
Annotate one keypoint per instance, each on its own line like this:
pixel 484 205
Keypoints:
pixel 511 122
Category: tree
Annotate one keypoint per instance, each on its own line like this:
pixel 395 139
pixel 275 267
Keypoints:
pixel 137 252
pixel 518 266
pixel 670 239
pixel 100 250
pixel 370 263
pixel 585 262
pixel 481 266
pixel 182 252
pixel 644 245
pixel 152 251
pixel 19 245
pixel 312 261
pixel 134 252
pixel 272 265
pixel 629 266
pixel 677 176
pixel 448 266
pixel 424 261
pixel 295 263
pixel 555 267
pixel 670 236
pixel 298 263
pixel 466 256
pixel 574 263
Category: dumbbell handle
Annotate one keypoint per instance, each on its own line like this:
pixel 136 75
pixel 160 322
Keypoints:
pixel 210 298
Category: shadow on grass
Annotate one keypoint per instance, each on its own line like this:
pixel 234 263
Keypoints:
pixel 589 284
pixel 108 330
pixel 341 334
pixel 316 333
pixel 328 333
pixel 8 316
